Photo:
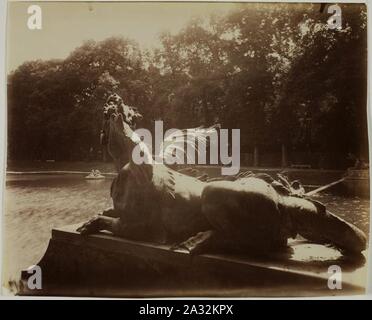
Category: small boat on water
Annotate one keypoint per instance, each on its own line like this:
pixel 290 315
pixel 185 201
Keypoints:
pixel 95 175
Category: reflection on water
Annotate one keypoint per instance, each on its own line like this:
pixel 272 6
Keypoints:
pixel 34 204
pixel 354 210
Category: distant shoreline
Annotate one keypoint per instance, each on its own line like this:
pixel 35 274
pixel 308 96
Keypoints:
pixel 19 167
pixel 108 167
pixel 314 177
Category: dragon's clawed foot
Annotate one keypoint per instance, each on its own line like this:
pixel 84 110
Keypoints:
pixel 92 226
pixel 196 244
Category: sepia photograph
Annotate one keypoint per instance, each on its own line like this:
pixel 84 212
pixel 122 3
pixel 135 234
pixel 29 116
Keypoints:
pixel 185 149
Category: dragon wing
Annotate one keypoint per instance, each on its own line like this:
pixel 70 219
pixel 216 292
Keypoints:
pixel 181 143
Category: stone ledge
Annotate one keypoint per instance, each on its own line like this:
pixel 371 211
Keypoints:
pixel 104 265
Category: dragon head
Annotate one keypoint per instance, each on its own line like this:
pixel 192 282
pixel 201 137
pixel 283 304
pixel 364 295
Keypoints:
pixel 116 116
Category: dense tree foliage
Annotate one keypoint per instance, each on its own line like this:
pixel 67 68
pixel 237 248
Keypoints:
pixel 278 73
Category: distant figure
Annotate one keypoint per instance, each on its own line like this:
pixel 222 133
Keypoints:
pixel 97 173
pixel 359 163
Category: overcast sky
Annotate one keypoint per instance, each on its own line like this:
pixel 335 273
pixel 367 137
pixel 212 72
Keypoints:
pixel 66 25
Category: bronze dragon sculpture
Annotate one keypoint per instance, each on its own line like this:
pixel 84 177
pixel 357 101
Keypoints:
pixel 153 202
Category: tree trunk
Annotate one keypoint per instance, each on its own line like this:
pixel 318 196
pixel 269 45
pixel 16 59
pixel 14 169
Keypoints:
pixel 284 156
pixel 255 157
pixel 104 154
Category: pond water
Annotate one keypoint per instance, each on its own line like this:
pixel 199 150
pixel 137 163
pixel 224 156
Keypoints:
pixel 34 204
